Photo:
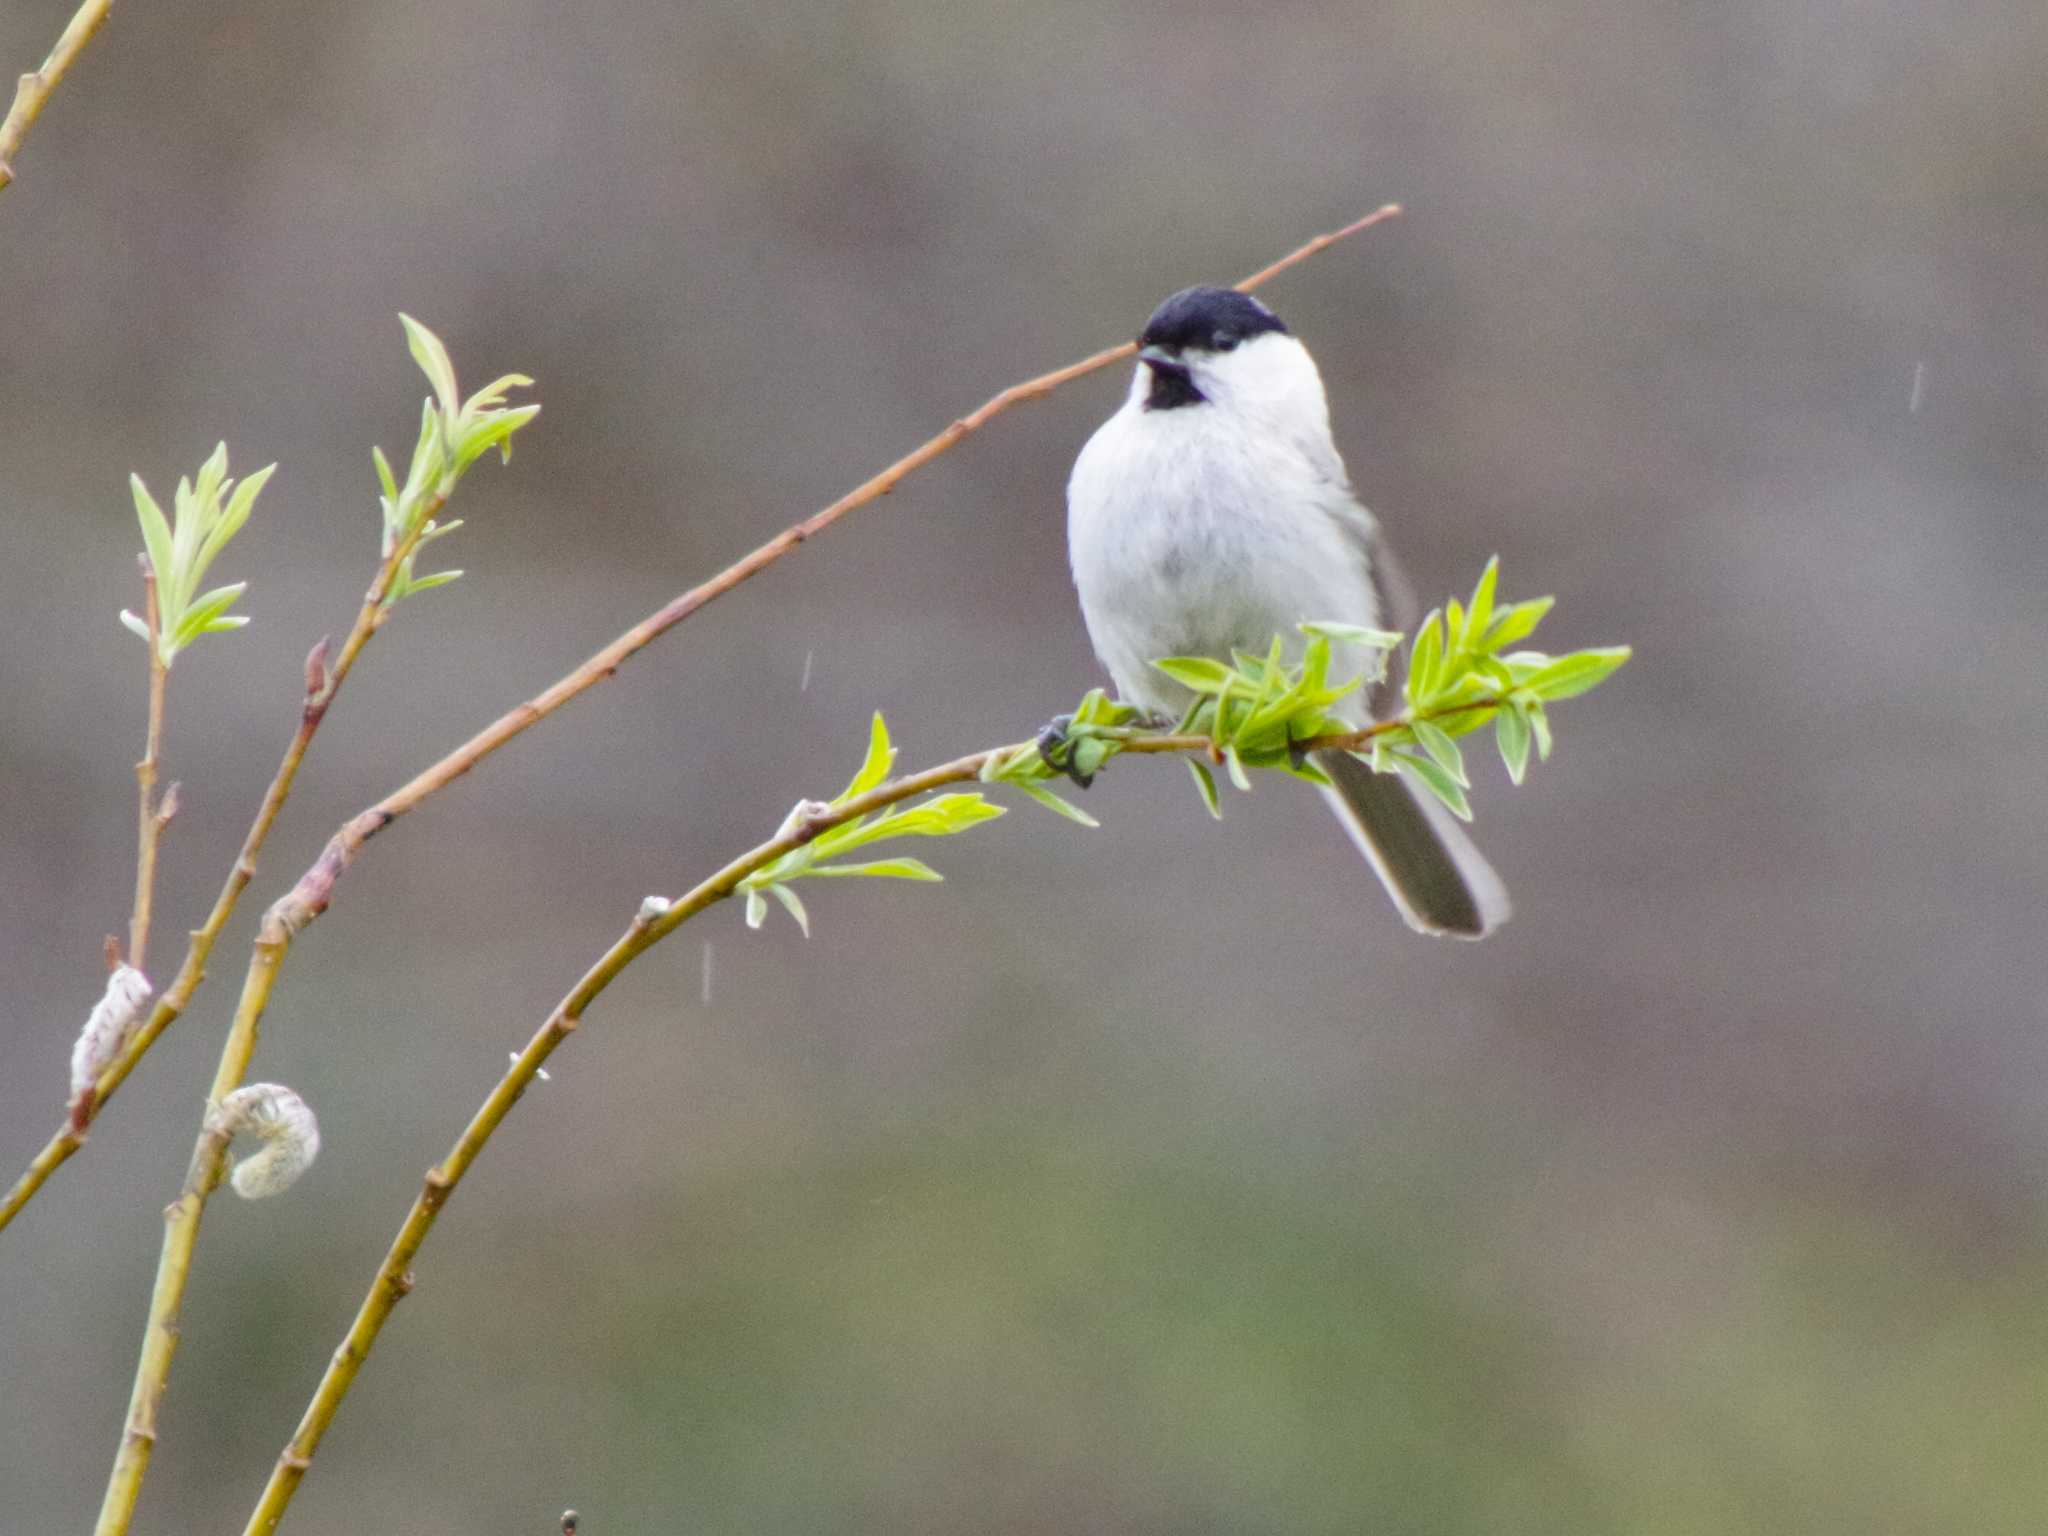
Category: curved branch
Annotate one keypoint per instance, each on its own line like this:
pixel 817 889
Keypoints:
pixel 653 923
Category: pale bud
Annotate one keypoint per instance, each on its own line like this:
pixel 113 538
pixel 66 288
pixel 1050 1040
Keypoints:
pixel 290 1135
pixel 107 1028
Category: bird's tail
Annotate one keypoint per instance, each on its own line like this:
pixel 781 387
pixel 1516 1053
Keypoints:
pixel 1441 883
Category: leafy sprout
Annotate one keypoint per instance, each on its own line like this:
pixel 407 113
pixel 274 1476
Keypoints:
pixel 454 434
pixel 1461 677
pixel 940 816
pixel 206 513
pixel 1257 711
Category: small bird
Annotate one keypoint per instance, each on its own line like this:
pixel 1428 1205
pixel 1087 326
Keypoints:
pixel 1212 512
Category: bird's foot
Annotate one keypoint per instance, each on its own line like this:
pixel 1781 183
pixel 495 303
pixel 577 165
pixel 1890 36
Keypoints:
pixel 1295 752
pixel 1056 748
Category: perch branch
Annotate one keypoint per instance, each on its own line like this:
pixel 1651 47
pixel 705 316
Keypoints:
pixel 394 1277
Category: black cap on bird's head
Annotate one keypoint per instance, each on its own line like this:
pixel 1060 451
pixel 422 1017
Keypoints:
pixel 1207 320
pixel 1187 331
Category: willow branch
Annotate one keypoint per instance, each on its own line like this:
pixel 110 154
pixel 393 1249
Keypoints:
pixel 32 91
pixel 209 1153
pixel 653 923
pixel 152 817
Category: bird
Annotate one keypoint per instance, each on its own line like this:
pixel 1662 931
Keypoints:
pixel 1212 512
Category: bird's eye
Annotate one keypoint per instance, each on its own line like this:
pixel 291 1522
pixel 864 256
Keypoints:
pixel 1226 343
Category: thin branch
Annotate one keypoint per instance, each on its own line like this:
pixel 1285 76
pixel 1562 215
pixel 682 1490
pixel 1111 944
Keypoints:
pixel 32 91
pixel 1297 256
pixel 152 818
pixel 649 927
pixel 209 1153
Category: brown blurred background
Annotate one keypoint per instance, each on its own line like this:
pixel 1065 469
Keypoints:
pixel 1152 1179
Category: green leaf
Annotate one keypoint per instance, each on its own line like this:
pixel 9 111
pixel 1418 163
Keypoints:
pixel 434 362
pixel 1056 804
pixel 1517 623
pixel 943 815
pixel 793 905
pixel 1206 783
pixel 492 395
pixel 1433 778
pixel 203 615
pixel 135 623
pixel 1480 614
pixel 233 516
pixel 1098 708
pixel 1204 674
pixel 156 533
pixel 1423 658
pixel 1569 676
pixel 384 475
pixel 757 908
pixel 875 767
pixel 1441 748
pixel 886 869
pixel 1234 766
pixel 940 817
pixel 428 583
pixel 1511 733
pixel 211 476
pixel 1495 671
pixel 494 430
pixel 1539 726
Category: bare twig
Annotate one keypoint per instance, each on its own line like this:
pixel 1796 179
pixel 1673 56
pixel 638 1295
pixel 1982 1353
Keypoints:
pixel 152 817
pixel 209 1153
pixel 649 927
pixel 33 90
pixel 1301 253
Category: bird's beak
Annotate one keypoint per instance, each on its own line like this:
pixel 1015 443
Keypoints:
pixel 1159 357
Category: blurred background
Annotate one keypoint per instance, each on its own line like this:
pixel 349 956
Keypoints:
pixel 1152 1179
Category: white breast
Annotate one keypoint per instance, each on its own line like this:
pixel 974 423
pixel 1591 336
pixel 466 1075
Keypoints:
pixel 1196 531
